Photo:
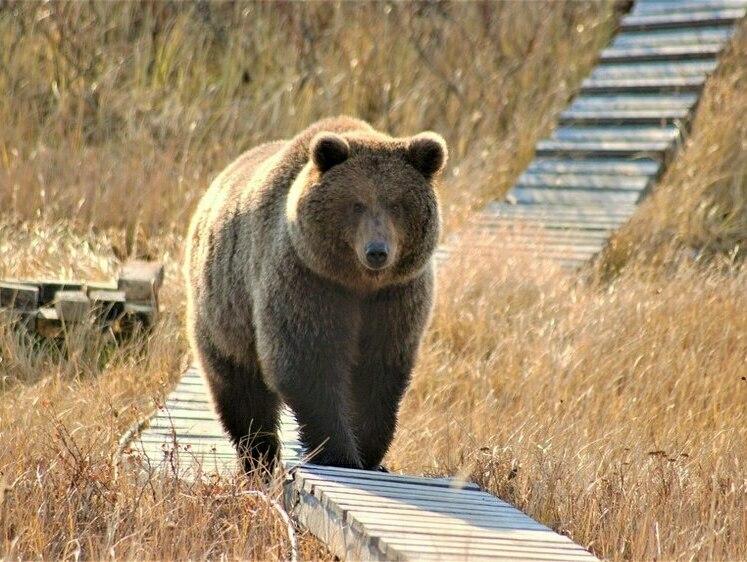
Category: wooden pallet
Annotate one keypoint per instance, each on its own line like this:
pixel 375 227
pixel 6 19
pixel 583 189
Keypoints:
pixel 360 515
pixel 48 307
pixel 618 135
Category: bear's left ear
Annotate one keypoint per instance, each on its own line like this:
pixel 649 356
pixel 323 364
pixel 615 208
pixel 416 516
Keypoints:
pixel 427 152
pixel 328 150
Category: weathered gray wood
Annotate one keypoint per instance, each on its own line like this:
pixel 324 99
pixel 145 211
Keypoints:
pixel 697 36
pixel 140 280
pixel 107 304
pixel 580 213
pixel 72 306
pixel 664 69
pixel 583 181
pixel 48 289
pixel 92 286
pixel 385 477
pixel 662 53
pixel 700 18
pixel 634 101
pixel 603 149
pixel 145 314
pixel 557 196
pixel 48 324
pixel 643 84
pixel 474 529
pixel 619 167
pixel 650 7
pixel 19 296
pixel 623 116
pixel 617 134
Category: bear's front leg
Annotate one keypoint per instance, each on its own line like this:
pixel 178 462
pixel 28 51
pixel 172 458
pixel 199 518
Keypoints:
pixel 393 321
pixel 306 342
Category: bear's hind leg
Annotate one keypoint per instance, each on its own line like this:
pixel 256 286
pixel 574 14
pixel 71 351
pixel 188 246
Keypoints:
pixel 248 410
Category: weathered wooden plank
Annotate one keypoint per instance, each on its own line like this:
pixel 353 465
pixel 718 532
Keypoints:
pixel 186 429
pixel 666 69
pixel 614 134
pixel 347 541
pixel 589 215
pixel 548 224
pixel 465 531
pixel 145 314
pixel 439 513
pixel 700 18
pixel 415 499
pixel 386 477
pixel 539 234
pixel 583 181
pixel 48 324
pixel 395 484
pixel 19 296
pixel 468 548
pixel 696 36
pixel 709 51
pixel 619 167
pixel 475 550
pixel 72 306
pixel 543 538
pixel 634 101
pixel 140 280
pixel 623 116
pixel 106 304
pixel 650 7
pixel 577 212
pixel 558 196
pixel 644 84
pixel 48 289
pixel 603 149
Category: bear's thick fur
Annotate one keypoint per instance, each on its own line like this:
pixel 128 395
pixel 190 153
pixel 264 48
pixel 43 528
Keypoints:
pixel 310 282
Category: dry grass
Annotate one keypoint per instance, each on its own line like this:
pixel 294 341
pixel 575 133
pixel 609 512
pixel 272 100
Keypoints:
pixel 614 413
pixel 611 408
pixel 119 113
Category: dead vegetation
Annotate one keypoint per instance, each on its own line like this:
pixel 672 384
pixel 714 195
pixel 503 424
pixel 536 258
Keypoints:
pixel 609 405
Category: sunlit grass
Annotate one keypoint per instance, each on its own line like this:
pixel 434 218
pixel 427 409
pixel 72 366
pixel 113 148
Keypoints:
pixel 607 404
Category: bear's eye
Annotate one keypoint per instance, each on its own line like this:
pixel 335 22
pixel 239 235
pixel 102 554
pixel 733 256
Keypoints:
pixel 395 208
pixel 358 208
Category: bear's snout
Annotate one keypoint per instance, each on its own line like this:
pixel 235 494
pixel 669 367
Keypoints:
pixel 376 254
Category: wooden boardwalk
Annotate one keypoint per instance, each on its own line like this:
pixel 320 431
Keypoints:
pixel 360 515
pixel 617 136
pixel 611 145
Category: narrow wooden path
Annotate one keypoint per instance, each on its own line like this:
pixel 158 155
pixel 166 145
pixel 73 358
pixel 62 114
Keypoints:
pixel 611 145
pixel 360 515
pixel 615 139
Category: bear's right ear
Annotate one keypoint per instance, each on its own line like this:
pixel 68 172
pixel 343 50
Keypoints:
pixel 428 153
pixel 329 150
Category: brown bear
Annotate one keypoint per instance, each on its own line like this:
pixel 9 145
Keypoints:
pixel 310 282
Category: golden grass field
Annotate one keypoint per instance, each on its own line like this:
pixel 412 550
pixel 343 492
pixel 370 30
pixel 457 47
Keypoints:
pixel 607 403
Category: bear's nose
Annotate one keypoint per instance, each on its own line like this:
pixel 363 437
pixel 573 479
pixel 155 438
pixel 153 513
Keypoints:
pixel 376 254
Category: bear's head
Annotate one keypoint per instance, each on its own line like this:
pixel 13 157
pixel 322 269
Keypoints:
pixel 364 210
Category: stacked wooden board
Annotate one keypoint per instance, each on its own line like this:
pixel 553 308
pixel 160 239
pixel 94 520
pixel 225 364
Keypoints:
pixel 47 307
pixel 613 142
pixel 360 515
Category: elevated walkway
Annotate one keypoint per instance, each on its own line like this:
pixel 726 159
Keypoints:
pixel 618 135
